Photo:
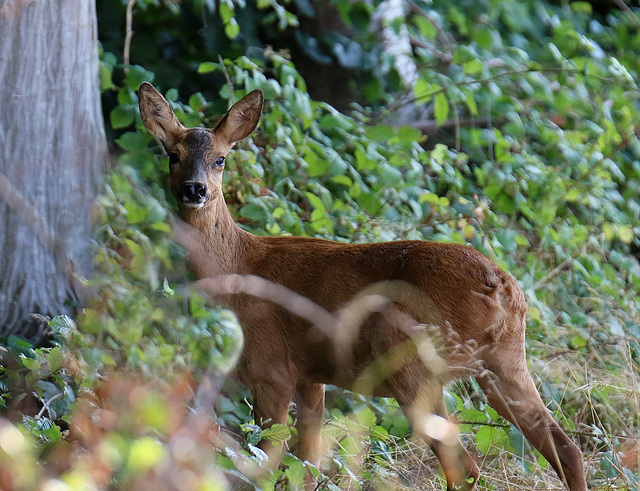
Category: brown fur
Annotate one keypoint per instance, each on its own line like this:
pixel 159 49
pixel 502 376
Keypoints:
pixel 479 310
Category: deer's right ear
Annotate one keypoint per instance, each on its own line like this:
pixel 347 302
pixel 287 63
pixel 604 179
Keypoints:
pixel 157 116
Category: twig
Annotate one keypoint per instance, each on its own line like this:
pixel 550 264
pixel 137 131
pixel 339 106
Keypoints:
pixel 627 10
pixel 447 40
pixel 520 71
pixel 444 58
pixel 129 34
pixel 586 434
pixel 228 79
pixel 456 124
pixel 587 346
pixel 48 403
pixel 563 266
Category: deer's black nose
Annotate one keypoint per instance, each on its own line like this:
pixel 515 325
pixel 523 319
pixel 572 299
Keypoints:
pixel 194 192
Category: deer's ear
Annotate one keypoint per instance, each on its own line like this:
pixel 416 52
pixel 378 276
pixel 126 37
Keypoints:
pixel 157 115
pixel 242 118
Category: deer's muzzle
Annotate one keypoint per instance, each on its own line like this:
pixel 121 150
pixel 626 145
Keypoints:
pixel 194 193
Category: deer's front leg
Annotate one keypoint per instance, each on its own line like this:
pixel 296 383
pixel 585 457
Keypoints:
pixel 310 403
pixel 272 384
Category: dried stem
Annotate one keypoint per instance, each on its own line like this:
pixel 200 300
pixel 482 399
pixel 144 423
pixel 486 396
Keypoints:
pixel 129 34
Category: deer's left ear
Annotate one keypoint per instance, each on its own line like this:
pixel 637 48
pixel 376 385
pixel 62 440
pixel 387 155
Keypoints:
pixel 242 118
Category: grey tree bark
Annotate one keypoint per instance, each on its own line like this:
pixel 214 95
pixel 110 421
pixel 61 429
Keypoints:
pixel 52 149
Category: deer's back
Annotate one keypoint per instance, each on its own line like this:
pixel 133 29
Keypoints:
pixel 468 290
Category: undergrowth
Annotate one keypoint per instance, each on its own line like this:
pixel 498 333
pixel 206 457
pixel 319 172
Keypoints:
pixel 544 179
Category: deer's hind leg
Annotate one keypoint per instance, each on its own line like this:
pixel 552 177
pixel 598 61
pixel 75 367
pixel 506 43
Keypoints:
pixel 513 394
pixel 408 360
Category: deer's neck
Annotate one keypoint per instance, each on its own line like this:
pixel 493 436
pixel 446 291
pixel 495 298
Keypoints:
pixel 219 245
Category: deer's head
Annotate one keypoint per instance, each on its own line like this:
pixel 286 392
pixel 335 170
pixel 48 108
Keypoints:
pixel 197 155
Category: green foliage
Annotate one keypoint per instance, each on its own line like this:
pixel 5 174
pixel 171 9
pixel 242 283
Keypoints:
pixel 531 155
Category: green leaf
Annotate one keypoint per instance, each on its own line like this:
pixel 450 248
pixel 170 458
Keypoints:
pixel 315 201
pixel 342 179
pixel 20 346
pixel 295 472
pixel 55 359
pixel 63 325
pixel 136 75
pixel 317 166
pixel 105 77
pixel 122 116
pixel 424 91
pixel 165 290
pixel 48 430
pixel 488 437
pixel 471 103
pixel 426 27
pixel 367 417
pixel 572 195
pixel 226 12
pixel 441 108
pixel 390 175
pixel 232 29
pixel 30 363
pixel 380 132
pixel 197 102
pixel 133 141
pixel 407 135
pixel 582 7
pixel 136 212
pixel 207 67
pixel 625 233
pixel 253 212
pixel 276 433
pixel 473 415
pixel 473 67
pixel 171 95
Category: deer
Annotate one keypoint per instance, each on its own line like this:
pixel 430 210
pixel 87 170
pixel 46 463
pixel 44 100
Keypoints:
pixel 478 309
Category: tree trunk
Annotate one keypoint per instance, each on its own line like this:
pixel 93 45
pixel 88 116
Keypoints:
pixel 52 148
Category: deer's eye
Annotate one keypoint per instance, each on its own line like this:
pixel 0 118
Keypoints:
pixel 173 158
pixel 219 162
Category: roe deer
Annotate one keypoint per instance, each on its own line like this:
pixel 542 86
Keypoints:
pixel 479 309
